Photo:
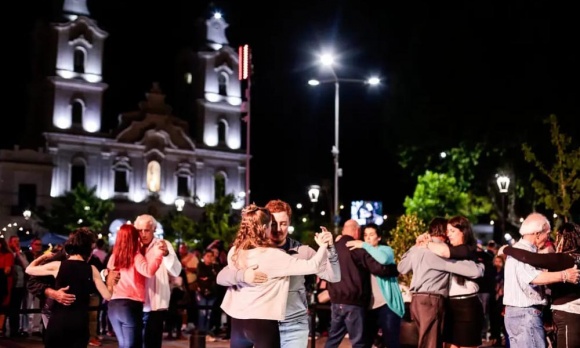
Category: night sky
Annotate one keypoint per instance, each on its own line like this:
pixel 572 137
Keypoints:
pixel 487 71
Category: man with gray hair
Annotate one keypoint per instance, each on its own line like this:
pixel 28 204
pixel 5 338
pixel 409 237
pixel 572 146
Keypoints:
pixel 524 297
pixel 157 290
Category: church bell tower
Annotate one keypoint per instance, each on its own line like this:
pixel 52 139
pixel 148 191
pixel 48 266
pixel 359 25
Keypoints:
pixel 77 79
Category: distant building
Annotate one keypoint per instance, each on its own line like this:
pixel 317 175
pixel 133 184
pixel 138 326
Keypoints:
pixel 153 157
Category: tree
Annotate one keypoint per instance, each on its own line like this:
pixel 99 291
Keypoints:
pixel 403 237
pixel 79 207
pixel 449 185
pixel 180 228
pixel 219 222
pixel 560 188
pixel 439 194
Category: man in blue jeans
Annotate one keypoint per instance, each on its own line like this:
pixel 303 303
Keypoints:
pixel 524 296
pixel 350 297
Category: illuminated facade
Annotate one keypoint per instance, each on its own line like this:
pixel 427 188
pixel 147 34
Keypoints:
pixel 153 157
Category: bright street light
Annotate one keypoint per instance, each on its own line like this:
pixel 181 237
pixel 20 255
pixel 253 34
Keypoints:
pixel 328 61
pixel 373 81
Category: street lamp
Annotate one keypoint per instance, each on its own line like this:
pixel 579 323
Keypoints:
pixel 503 184
pixel 328 61
pixel 313 193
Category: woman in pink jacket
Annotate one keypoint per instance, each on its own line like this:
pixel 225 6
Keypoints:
pixel 126 305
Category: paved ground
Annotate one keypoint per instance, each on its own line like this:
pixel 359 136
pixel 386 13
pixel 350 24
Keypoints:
pixel 35 342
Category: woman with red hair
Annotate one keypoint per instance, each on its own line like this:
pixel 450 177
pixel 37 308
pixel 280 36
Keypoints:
pixel 126 305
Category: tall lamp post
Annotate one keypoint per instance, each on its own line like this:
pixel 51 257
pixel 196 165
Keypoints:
pixel 328 61
pixel 503 184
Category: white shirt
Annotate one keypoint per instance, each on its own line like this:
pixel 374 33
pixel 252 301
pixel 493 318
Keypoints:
pixel 518 290
pixel 157 289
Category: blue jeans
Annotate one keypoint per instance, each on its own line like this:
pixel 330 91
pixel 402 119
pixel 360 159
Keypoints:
pixel 126 317
pixel 389 322
pixel 294 333
pixel 346 318
pixel 204 314
pixel 525 327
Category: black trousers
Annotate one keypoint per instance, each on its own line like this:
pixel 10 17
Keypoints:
pixel 153 328
pixel 567 329
pixel 257 333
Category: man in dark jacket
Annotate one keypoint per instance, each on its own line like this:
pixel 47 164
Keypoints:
pixel 351 296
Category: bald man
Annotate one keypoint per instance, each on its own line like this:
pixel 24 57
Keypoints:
pixel 351 296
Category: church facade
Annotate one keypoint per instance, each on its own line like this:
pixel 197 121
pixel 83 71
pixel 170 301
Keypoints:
pixel 153 161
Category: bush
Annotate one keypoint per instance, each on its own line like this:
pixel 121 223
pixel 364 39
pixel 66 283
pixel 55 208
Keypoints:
pixel 403 237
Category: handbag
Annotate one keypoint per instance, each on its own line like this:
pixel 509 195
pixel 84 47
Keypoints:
pixel 323 297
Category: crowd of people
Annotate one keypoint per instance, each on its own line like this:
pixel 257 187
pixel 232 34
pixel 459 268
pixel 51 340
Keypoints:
pixel 461 292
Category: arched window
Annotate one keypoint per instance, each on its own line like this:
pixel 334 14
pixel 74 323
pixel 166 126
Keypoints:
pixel 77 173
pixel 79 60
pixel 222 131
pixel 121 170
pixel 223 83
pixel 220 185
pixel 184 180
pixel 77 112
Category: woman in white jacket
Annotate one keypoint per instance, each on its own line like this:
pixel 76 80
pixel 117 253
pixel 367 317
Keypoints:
pixel 256 309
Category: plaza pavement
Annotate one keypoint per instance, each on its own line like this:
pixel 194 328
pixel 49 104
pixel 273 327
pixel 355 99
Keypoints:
pixel 108 342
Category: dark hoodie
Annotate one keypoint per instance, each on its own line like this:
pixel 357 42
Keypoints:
pixel 354 287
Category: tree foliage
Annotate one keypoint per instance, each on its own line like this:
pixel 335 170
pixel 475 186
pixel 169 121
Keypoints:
pixel 79 207
pixel 178 228
pixel 559 188
pixel 403 237
pixel 447 186
pixel 436 194
pixel 219 221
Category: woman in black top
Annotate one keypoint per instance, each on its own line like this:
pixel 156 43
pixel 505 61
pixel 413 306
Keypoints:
pixel 565 295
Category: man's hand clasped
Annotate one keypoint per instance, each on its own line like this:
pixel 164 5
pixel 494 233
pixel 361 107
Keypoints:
pixel 324 239
pixel 61 296
pixel 423 239
pixel 253 277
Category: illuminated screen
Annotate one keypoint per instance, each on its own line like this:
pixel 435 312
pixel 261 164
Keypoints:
pixel 365 212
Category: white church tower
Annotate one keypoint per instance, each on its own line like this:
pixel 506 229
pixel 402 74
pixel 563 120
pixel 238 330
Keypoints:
pixel 78 86
pixel 219 104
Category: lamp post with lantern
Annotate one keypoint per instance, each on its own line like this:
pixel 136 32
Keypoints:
pixel 328 61
pixel 503 184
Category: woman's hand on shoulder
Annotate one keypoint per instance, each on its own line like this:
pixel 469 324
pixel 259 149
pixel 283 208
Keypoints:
pixel 354 244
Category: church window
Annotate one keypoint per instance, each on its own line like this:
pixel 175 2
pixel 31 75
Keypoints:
pixel 77 112
pixel 184 179
pixel 222 131
pixel 183 186
pixel 26 196
pixel 77 173
pixel 79 61
pixel 153 176
pixel 121 171
pixel 121 182
pixel 223 83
